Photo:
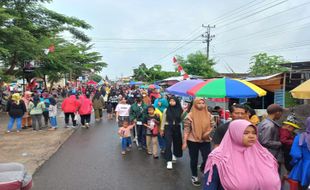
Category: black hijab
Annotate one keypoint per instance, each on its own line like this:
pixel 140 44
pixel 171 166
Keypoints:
pixel 174 113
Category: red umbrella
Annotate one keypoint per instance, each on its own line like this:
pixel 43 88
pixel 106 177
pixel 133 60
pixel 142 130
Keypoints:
pixel 91 82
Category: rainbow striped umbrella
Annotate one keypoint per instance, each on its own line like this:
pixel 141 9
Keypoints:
pixel 226 88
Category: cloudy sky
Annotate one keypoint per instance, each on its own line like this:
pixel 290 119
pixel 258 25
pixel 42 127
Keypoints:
pixel 130 32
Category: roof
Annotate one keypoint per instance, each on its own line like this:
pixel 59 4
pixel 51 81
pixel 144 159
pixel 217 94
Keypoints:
pixel 304 66
pixel 262 77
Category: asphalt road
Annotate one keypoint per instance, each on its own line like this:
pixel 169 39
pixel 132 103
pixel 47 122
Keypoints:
pixel 91 160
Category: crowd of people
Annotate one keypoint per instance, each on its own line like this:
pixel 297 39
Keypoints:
pixel 238 149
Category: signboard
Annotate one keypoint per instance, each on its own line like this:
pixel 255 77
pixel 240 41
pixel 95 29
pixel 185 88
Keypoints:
pixel 279 97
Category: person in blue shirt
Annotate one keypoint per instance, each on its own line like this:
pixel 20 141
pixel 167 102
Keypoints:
pixel 300 153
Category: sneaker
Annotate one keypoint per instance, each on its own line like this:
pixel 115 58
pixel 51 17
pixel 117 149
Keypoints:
pixel 67 126
pixel 195 181
pixel 73 127
pixel 169 165
pixel 149 153
pixel 83 126
pixel 174 159
pixel 87 125
pixel 18 131
pixel 123 152
pixel 8 131
pixel 128 149
pixel 139 148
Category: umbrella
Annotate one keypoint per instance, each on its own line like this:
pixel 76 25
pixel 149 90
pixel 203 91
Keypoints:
pixel 226 88
pixel 91 82
pixel 302 91
pixel 135 83
pixel 181 88
pixel 154 86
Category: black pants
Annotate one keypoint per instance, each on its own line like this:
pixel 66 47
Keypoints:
pixel 46 117
pixel 193 149
pixel 85 119
pixel 141 135
pixel 67 115
pixel 173 137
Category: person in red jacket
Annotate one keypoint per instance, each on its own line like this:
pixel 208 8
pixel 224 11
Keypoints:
pixel 85 109
pixel 70 106
pixel 287 137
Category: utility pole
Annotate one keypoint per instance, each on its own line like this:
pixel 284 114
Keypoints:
pixel 207 37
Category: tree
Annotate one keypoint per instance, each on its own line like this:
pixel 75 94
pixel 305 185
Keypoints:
pixel 95 77
pixel 152 74
pixel 198 64
pixel 263 64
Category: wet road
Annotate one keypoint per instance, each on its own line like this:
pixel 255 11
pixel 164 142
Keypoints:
pixel 91 160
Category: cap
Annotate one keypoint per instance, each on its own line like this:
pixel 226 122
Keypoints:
pixel 292 121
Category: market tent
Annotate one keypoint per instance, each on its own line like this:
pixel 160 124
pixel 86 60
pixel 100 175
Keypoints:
pixel 302 91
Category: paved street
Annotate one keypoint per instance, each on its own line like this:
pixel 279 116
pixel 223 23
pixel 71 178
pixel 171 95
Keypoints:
pixel 91 160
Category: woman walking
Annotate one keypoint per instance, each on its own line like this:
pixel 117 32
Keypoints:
pixel 85 110
pixel 16 109
pixel 171 129
pixel 36 109
pixel 197 129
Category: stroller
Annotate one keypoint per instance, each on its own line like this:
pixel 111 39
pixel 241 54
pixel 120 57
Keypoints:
pixel 13 176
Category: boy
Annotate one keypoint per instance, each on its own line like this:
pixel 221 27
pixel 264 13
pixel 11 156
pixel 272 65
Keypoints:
pixel 124 132
pixel 151 123
pixel 287 137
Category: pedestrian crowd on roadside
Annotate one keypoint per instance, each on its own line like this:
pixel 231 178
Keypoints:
pixel 238 149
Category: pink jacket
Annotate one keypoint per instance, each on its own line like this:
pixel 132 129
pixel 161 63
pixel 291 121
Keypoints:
pixel 70 104
pixel 86 106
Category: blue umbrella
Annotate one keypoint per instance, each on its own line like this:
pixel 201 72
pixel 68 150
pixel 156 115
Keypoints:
pixel 182 87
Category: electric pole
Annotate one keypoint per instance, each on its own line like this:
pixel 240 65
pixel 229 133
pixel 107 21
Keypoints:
pixel 207 37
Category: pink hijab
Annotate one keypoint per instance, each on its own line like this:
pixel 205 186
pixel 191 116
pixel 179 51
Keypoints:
pixel 240 167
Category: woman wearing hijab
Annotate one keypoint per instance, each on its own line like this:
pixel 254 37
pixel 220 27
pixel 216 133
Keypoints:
pixel 171 128
pixel 16 109
pixel 300 153
pixel 241 162
pixel 197 129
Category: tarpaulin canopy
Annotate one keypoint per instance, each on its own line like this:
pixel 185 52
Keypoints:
pixel 302 91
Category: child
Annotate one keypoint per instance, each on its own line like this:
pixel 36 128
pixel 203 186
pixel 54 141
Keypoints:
pixel 287 138
pixel 109 107
pixel 52 112
pixel 151 123
pixel 124 132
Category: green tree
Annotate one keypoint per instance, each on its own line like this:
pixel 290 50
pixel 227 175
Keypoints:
pixel 25 24
pixel 263 64
pixel 152 74
pixel 198 64
pixel 95 77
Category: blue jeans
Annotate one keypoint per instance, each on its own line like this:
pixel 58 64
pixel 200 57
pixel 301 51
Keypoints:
pixel 18 123
pixel 126 141
pixel 161 142
pixel 53 121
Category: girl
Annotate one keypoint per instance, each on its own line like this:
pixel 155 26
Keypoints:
pixel 197 129
pixel 171 127
pixel 125 133
pixel 241 162
pixel 52 112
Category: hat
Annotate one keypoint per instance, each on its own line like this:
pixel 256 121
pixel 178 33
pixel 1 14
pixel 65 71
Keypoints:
pixel 291 120
pixel 16 97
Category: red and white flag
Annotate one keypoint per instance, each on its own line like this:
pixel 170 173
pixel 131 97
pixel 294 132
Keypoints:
pixel 50 49
pixel 180 69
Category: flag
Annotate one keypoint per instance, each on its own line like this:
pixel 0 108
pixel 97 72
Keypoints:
pixel 180 69
pixel 50 49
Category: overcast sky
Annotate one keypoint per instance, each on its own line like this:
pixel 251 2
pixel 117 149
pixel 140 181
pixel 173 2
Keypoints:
pixel 130 32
